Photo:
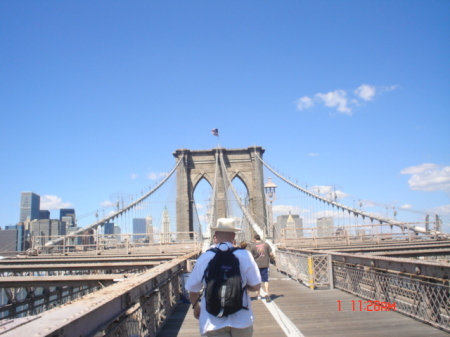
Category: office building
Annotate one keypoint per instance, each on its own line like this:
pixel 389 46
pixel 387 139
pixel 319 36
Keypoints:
pixel 44 214
pixel 291 232
pixel 108 228
pixel 165 227
pixel 68 220
pixel 88 238
pixel 29 206
pixel 45 230
pixel 290 225
pixel 8 239
pixel 139 227
pixel 64 212
pixel 74 241
pixel 325 227
pixel 20 238
pixel 149 227
pixel 117 232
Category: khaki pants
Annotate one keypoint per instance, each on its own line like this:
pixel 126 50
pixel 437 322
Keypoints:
pixel 231 332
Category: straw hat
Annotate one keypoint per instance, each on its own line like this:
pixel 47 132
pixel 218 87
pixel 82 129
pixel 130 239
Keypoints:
pixel 225 225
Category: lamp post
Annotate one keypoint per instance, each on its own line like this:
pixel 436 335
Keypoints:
pixel 269 190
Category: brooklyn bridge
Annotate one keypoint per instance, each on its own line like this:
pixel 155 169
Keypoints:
pixel 343 267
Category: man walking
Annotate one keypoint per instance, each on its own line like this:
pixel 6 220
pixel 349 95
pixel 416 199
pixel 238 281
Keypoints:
pixel 262 253
pixel 240 323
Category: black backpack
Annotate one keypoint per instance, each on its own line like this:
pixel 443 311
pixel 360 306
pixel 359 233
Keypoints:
pixel 224 290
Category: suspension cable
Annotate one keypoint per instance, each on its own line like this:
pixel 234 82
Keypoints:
pixel 355 211
pixel 116 214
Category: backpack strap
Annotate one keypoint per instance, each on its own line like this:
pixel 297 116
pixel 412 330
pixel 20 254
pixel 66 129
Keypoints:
pixel 214 250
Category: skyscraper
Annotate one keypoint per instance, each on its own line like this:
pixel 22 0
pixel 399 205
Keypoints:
pixel 117 232
pixel 138 228
pixel 149 226
pixel 109 228
pixel 8 239
pixel 45 230
pixel 29 206
pixel 288 222
pixel 44 214
pixel 325 226
pixel 165 236
pixel 64 212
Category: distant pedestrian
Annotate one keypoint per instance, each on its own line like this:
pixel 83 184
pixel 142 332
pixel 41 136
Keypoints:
pixel 262 253
pixel 243 245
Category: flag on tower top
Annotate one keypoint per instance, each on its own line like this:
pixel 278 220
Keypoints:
pixel 215 132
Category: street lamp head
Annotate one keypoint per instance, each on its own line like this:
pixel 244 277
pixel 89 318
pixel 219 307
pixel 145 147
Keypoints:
pixel 269 188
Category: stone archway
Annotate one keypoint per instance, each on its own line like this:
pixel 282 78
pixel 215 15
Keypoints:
pixel 201 164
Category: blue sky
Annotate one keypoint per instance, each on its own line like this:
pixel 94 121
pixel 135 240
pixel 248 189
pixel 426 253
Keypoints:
pixel 95 96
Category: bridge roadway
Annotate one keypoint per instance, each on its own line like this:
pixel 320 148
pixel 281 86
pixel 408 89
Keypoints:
pixel 313 313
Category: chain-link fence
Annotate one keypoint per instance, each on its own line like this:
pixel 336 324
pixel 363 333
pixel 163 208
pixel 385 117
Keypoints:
pixel 424 294
pixel 312 270
pixel 426 301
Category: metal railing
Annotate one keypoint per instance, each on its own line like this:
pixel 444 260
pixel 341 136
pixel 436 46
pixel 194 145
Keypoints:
pixel 415 288
pixel 347 236
pixel 137 306
pixel 312 270
pixel 116 243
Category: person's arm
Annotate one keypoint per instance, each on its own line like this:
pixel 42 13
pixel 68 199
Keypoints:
pixel 253 288
pixel 253 275
pixel 195 301
pixel 269 250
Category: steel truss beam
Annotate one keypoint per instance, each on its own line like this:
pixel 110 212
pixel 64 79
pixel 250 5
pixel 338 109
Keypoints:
pixel 117 309
pixel 77 267
pixel 61 281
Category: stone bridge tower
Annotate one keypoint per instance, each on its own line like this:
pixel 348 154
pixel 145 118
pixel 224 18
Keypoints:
pixel 201 164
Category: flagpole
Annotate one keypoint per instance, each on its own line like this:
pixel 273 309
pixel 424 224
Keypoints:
pixel 215 132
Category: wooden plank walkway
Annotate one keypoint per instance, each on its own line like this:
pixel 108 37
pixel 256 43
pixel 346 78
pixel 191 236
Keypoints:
pixel 314 313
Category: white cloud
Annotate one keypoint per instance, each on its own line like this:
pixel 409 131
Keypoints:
pixel 341 195
pixel 389 88
pixel 286 209
pixel 419 168
pixel 156 176
pixel 107 204
pixel 52 202
pixel 200 206
pixel 366 92
pixel 341 100
pixel 335 99
pixel 328 192
pixel 441 210
pixel 428 177
pixel 313 154
pixel 406 206
pixel 133 176
pixel 304 103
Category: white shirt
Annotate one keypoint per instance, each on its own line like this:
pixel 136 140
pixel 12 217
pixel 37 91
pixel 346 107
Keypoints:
pixel 250 275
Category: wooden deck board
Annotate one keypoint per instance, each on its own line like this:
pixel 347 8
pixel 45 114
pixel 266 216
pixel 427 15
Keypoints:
pixel 314 313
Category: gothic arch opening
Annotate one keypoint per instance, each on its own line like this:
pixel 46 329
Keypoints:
pixel 243 193
pixel 202 198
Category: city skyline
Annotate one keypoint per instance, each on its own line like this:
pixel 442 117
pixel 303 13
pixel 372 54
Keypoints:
pixel 344 96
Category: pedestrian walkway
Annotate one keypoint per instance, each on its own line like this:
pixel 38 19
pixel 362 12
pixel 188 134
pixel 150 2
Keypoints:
pixel 297 311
